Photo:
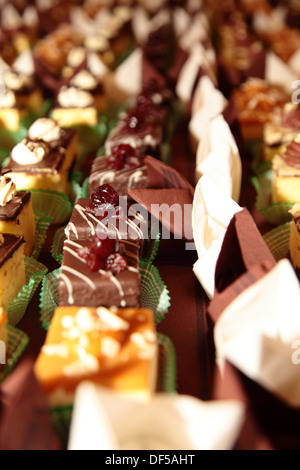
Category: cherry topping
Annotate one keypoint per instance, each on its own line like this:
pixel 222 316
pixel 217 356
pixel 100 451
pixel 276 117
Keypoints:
pixel 94 262
pixel 136 121
pixel 116 263
pixel 103 247
pixel 122 156
pixel 105 194
pixel 104 199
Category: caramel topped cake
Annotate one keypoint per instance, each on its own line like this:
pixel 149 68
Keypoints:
pixel 43 159
pixel 281 130
pixel 16 213
pixel 103 271
pixel 286 167
pixel 113 348
pixel 294 245
pixel 12 267
pixel 257 102
pixel 124 169
pixel 103 215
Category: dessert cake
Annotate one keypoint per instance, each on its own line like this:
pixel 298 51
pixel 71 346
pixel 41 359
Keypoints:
pixel 103 215
pixel 103 271
pixel 113 348
pixel 294 244
pixel 12 267
pixel 257 102
pixel 286 168
pixel 79 101
pixel 44 158
pixel 16 213
pixel 281 130
pixel 123 169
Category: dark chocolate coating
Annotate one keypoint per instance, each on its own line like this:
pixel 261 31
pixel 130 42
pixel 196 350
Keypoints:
pixel 13 208
pixel 10 246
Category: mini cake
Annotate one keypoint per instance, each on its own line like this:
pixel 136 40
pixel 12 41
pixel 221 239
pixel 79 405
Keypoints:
pixel 103 214
pixel 281 131
pixel 114 348
pixel 100 272
pixel 75 106
pixel 123 169
pixel 286 168
pixel 294 244
pixel 257 102
pixel 44 158
pixel 16 213
pixel 12 267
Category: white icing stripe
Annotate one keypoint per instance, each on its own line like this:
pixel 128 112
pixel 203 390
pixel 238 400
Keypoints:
pixel 135 228
pixel 69 288
pixel 134 270
pixel 72 252
pixel 80 209
pixel 80 275
pixel 117 284
pixel 71 242
pixel 71 228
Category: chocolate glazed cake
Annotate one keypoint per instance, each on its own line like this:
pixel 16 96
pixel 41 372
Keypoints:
pixel 81 287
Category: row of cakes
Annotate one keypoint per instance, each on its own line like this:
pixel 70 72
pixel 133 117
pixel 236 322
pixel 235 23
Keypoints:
pixel 99 332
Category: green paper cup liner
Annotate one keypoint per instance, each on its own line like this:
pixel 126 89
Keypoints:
pixel 278 241
pixel 16 344
pixel 49 297
pixel 35 272
pixel 62 416
pixel 9 138
pixel 42 224
pixel 276 213
pixel 167 381
pixel 52 204
pixel 154 294
pixel 32 116
pixel 57 244
pixel 90 138
pixel 254 149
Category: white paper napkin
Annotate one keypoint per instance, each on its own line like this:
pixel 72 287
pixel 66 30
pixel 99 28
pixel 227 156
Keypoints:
pixel 208 103
pixel 259 333
pixel 218 157
pixel 212 213
pixel 127 79
pixel 279 73
pixel 104 421
pixel 271 22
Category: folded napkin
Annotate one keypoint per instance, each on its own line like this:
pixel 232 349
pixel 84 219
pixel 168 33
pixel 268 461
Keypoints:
pixel 169 199
pixel 25 423
pixel 212 213
pixel 269 22
pixel 279 73
pixel 259 333
pixel 104 421
pixel 208 103
pixel 218 157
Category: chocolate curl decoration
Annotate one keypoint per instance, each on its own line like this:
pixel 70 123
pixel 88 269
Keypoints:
pixel 244 259
pixel 168 188
pixel 25 423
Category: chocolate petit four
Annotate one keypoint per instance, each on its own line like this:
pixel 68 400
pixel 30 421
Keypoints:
pixel 104 271
pixel 16 213
pixel 294 244
pixel 12 267
pixel 286 168
pixel 281 130
pixel 102 215
pixel 43 159
pixel 123 169
pixel 114 348
pixel 79 102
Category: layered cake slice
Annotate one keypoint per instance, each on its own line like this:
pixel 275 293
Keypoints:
pixel 44 158
pixel 281 130
pixel 123 169
pixel 294 245
pixel 12 267
pixel 16 213
pixel 286 168
pixel 103 215
pixel 257 102
pixel 113 348
pixel 100 272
